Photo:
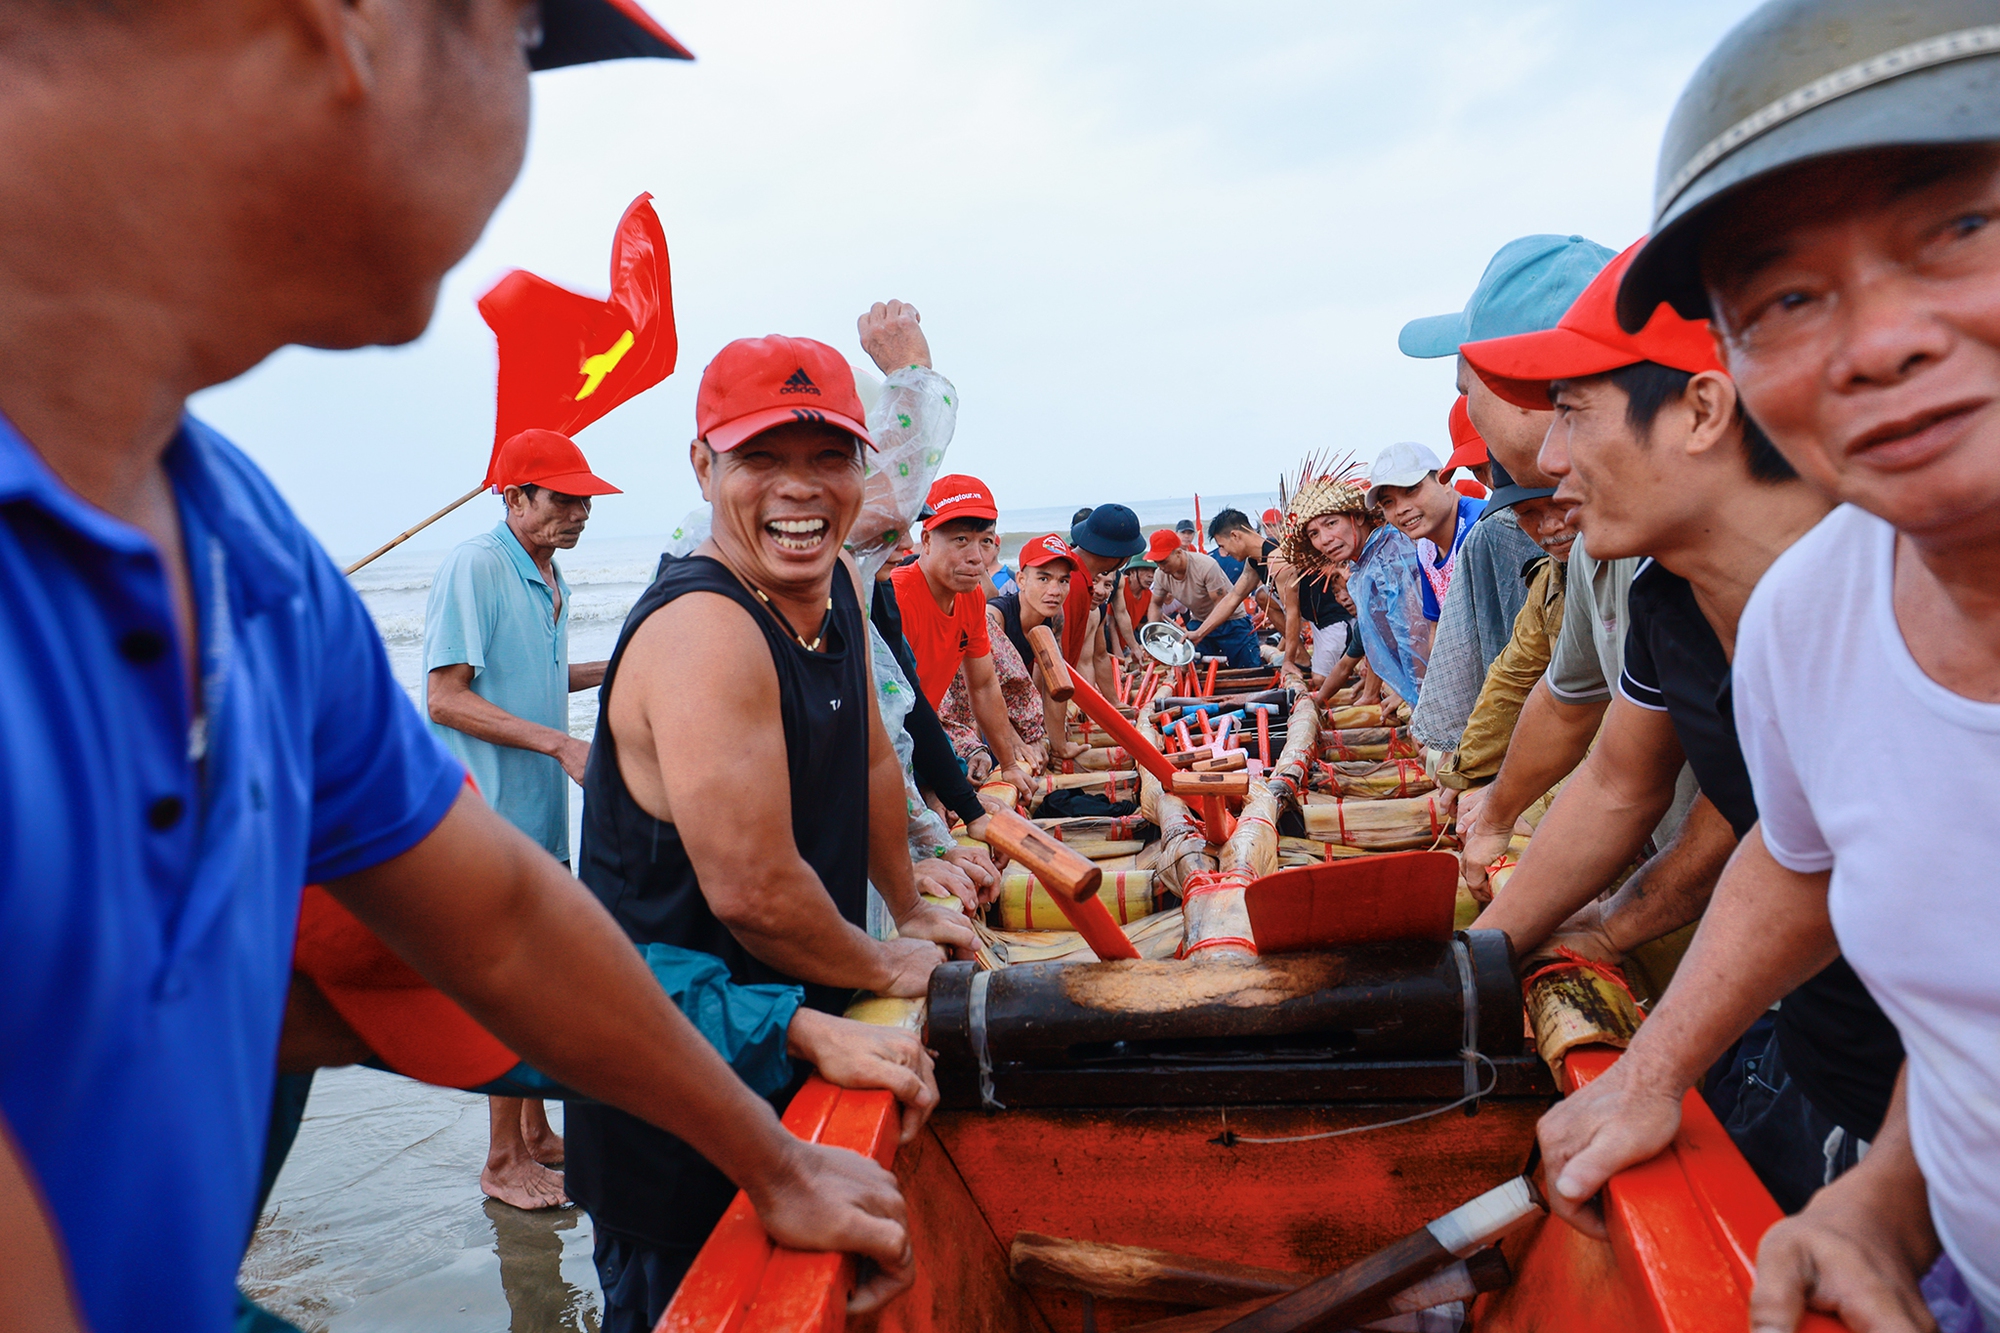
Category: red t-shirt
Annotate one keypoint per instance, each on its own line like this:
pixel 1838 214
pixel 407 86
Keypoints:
pixel 1076 615
pixel 1137 599
pixel 939 641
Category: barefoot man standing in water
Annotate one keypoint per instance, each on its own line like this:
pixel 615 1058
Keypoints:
pixel 198 716
pixel 497 681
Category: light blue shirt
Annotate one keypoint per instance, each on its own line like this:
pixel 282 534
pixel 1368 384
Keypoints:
pixel 491 609
pixel 1389 610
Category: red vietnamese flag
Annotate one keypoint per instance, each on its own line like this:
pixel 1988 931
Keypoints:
pixel 565 359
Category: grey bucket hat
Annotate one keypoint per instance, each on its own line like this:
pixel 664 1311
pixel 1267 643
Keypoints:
pixel 1801 79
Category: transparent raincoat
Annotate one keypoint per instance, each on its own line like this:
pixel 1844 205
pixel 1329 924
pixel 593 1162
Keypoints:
pixel 1387 588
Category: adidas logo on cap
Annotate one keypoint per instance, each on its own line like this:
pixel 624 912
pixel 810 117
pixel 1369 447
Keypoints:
pixel 800 382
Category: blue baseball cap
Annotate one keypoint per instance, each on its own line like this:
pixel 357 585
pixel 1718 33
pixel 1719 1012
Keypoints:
pixel 1526 288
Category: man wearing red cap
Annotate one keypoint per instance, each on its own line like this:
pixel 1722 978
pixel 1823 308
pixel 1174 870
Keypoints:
pixel 1195 580
pixel 943 611
pixel 741 792
pixel 1047 566
pixel 1652 443
pixel 497 681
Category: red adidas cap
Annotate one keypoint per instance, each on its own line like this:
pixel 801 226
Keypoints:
pixel 757 383
pixel 538 457
pixel 1467 448
pixel 1588 341
pixel 960 496
pixel 1162 544
pixel 1046 550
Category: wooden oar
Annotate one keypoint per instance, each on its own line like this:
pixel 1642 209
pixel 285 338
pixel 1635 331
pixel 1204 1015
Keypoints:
pixel 1355 1292
pixel 1070 879
pixel 1048 656
pixel 398 541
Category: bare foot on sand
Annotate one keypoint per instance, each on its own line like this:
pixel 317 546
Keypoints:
pixel 543 1143
pixel 524 1184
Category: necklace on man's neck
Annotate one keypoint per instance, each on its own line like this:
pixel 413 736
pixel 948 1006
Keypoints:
pixel 818 639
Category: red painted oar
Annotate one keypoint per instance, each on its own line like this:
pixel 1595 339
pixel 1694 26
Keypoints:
pixel 1070 878
pixel 1106 715
pixel 1358 900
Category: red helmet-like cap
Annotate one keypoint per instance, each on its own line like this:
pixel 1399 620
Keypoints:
pixel 1588 341
pixel 757 383
pixel 537 457
pixel 1468 449
pixel 1047 550
pixel 956 495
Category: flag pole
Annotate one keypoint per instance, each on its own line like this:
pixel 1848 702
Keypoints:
pixel 393 543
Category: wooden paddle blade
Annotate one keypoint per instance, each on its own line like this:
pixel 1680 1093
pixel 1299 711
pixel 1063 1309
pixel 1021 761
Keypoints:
pixel 1391 896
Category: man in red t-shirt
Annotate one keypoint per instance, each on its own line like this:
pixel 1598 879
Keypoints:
pixel 944 618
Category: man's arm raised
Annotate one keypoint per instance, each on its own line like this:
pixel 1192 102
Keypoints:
pixel 699 669
pixel 1765 932
pixel 484 915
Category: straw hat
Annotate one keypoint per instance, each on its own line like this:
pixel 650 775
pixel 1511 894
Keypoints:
pixel 1339 489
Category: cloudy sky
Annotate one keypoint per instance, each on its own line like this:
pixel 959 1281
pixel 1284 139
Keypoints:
pixel 1160 247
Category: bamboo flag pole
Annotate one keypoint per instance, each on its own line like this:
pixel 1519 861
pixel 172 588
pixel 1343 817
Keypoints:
pixel 393 543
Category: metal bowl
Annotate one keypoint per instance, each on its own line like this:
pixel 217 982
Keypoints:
pixel 1167 643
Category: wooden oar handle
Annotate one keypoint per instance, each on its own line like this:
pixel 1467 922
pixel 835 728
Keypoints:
pixel 1228 763
pixel 1210 784
pixel 1060 869
pixel 1048 656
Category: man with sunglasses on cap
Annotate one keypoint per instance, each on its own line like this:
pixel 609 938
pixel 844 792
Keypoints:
pixel 1652 443
pixel 200 716
pixel 497 681
pixel 1844 245
pixel 1526 287
pixel 756 637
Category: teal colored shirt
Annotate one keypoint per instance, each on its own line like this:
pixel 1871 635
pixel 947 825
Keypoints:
pixel 491 609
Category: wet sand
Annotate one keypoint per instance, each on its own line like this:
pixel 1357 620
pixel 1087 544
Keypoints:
pixel 377 1223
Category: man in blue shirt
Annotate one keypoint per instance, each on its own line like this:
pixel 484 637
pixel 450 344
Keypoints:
pixel 1406 484
pixel 198 717
pixel 497 681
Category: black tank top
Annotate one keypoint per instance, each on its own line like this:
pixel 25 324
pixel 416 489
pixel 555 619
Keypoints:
pixel 631 1177
pixel 1008 604
pixel 1318 605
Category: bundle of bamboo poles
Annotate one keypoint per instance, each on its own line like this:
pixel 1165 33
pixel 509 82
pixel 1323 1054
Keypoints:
pixel 1183 846
pixel 1373 743
pixel 1378 825
pixel 1024 904
pixel 1379 777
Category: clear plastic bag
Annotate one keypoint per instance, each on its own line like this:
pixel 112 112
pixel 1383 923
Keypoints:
pixel 912 420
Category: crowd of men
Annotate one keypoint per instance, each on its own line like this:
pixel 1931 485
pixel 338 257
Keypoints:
pixel 1721 579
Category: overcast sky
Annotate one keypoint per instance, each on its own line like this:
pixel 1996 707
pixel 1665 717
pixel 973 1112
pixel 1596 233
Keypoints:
pixel 1159 247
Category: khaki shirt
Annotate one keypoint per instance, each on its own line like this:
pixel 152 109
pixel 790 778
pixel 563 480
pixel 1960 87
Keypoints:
pixel 1508 681
pixel 1204 586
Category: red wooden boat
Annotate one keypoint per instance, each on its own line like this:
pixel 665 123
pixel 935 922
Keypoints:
pixel 1281 1113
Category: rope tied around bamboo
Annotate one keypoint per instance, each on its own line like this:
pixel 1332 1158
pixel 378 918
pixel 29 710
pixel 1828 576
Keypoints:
pixel 1214 899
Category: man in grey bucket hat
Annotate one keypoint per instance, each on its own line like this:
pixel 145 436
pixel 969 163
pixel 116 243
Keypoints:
pixel 1826 194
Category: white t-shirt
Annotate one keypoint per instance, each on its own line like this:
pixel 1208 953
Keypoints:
pixel 1864 764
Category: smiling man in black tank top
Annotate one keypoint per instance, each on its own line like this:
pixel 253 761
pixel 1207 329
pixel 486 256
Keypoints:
pixel 741 791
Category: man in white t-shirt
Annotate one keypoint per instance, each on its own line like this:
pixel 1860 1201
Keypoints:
pixel 1851 265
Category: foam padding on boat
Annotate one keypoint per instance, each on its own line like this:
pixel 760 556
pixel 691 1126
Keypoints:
pixel 1024 904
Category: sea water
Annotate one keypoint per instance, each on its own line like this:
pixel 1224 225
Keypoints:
pixel 377 1221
